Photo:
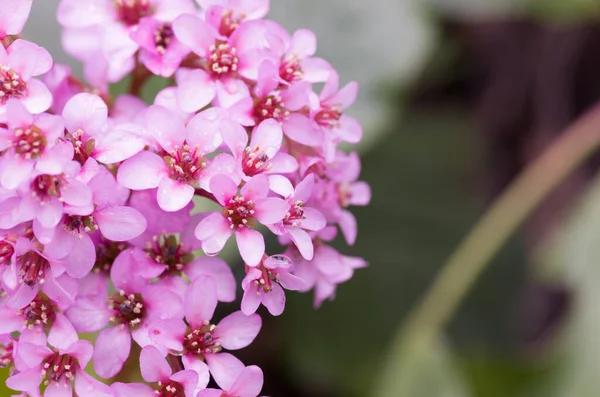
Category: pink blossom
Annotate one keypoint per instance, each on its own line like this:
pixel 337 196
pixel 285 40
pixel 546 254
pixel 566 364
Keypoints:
pixel 238 215
pixel 156 369
pixel 247 383
pixel 62 367
pixel 263 283
pixel 225 16
pixel 63 86
pixel 13 15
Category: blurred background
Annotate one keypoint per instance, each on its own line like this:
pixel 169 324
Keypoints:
pixel 457 96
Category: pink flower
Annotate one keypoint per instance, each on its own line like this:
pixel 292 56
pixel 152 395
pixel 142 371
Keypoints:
pixel 299 217
pixel 247 383
pixel 199 340
pixel 88 128
pixel 263 155
pixel 181 168
pixel 61 367
pixel 238 214
pixel 263 283
pixel 13 15
pixel 28 140
pixel 155 369
pixel 63 86
pixel 225 16
pixel 19 63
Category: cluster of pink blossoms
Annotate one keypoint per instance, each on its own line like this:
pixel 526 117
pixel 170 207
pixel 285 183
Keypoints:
pixel 96 193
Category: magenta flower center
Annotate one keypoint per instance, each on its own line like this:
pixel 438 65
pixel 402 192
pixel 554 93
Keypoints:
pixel 79 224
pixel 41 311
pixel 46 186
pixel 59 367
pixel 6 252
pixel 162 37
pixel 202 340
pixel 255 161
pixel 166 250
pixel 229 23
pixel 128 310
pixel 185 164
pixel 29 142
pixel 222 59
pixel 238 212
pixel 295 215
pixel 265 280
pixel 344 195
pixel 106 253
pixel 170 389
pixel 83 150
pixel 271 107
pixel 6 355
pixel 11 84
pixel 328 117
pixel 290 69
pixel 33 268
pixel 131 11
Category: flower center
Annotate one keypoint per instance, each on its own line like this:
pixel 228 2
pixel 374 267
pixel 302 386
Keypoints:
pixel 77 225
pixel 295 215
pixel 239 212
pixel 344 195
pixel 222 59
pixel 11 84
pixel 131 11
pixel 170 389
pixel 328 117
pixel 7 250
pixel 185 164
pixel 59 367
pixel 166 250
pixel 163 37
pixel 83 150
pixel 106 253
pixel 29 142
pixel 6 355
pixel 128 310
pixel 229 23
pixel 290 69
pixel 41 311
pixel 33 268
pixel 201 340
pixel 271 107
pixel 46 186
pixel 255 161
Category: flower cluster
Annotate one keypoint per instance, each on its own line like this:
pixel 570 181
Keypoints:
pixel 97 192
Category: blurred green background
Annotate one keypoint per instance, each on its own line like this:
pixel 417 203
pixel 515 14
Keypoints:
pixel 457 97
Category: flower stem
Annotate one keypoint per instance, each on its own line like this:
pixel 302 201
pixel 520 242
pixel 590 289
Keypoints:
pixel 205 194
pixel 423 327
pixel 139 76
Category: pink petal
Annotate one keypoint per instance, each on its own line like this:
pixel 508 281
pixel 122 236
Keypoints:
pixel 10 321
pixel 235 137
pixel 316 70
pixel 268 79
pixel 18 169
pixel 74 13
pixel 56 389
pixel 360 193
pixel 120 223
pixel 200 301
pixel 249 382
pixel 188 379
pixel 202 133
pixel 274 300
pixel 251 245
pixel 193 363
pixel 112 349
pixel 13 15
pixel 88 316
pixel 62 293
pixel 291 282
pixel 118 146
pixel 313 219
pixel 168 333
pixel 283 163
pixel 153 365
pixel 17 114
pixel 346 96
pixel 76 193
pixel 251 301
pixel 50 214
pixel 162 303
pixel 195 89
pixel 60 245
pixel 349 227
pixel 85 385
pixel 82 350
pixel 85 112
pixel 32 354
pixel 81 258
pixel 219 270
pixel 299 129
pixel 194 33
pixel 132 390
pixel 303 242
pixel 22 296
pixel 142 171
pixel 304 189
pixel 304 44
pixel 29 59
pixel 256 188
pixel 38 98
pixel 270 210
pixel 214 232
pixel 62 334
pixel 281 185
pixel 238 330
pixel 268 136
pixel 350 130
pixel 165 125
pixel 224 368
pixel 27 381
pixel 223 187
pixel 210 393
